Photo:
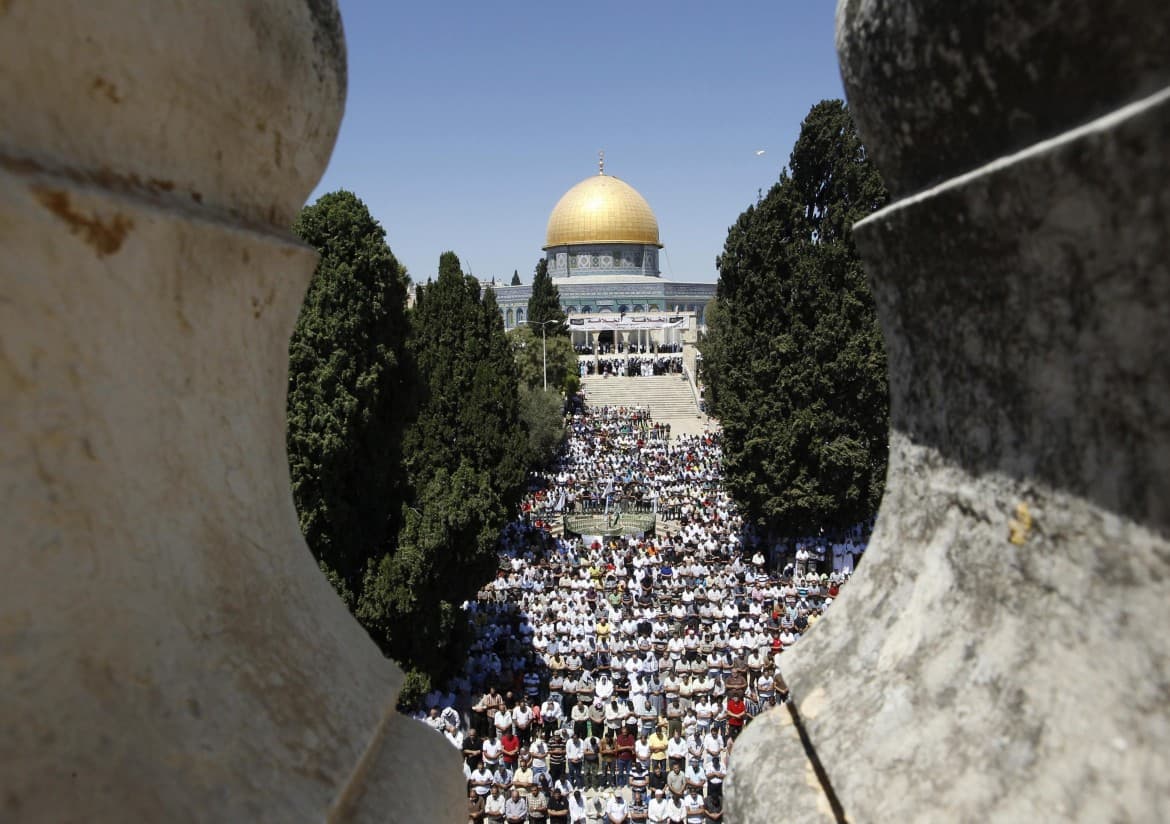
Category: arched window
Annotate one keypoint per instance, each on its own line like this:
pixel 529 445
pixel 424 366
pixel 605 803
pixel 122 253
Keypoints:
pixel 508 321
pixel 623 308
pixel 638 307
pixel 570 310
pixel 585 310
pixel 653 307
pixel 519 315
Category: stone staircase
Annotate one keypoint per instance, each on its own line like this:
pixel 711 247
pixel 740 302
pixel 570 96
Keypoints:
pixel 668 397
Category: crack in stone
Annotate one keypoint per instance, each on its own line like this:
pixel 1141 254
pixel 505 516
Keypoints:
pixel 822 776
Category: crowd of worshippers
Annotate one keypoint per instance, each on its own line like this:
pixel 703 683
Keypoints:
pixel 621 452
pixel 610 678
pixel 632 348
pixel 631 366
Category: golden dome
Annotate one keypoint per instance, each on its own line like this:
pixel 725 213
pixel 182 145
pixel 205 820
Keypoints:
pixel 602 209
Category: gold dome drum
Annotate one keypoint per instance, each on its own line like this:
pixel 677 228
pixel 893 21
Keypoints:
pixel 602 209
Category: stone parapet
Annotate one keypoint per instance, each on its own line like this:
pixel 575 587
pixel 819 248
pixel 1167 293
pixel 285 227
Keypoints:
pixel 1001 653
pixel 938 89
pixel 170 650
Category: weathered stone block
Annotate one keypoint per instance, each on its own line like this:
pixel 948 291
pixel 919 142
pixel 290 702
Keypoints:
pixel 169 650
pixel 939 87
pixel 1001 653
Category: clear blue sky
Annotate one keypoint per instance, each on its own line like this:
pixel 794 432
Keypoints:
pixel 466 122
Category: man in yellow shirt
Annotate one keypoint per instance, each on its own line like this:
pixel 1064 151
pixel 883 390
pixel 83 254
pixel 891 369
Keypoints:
pixel 602 628
pixel 658 742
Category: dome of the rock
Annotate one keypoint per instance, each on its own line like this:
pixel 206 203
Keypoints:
pixel 602 209
pixel 602 251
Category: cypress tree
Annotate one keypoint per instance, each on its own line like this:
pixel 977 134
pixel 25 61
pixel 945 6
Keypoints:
pixel 545 302
pixel 349 391
pixel 465 459
pixel 793 356
pixel 468 383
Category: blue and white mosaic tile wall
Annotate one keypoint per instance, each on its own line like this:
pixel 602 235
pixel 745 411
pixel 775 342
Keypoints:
pixel 603 259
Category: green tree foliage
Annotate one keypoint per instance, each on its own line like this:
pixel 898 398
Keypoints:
pixel 543 415
pixel 466 461
pixel 468 394
pixel 793 357
pixel 349 391
pixel 562 358
pixel 542 411
pixel 545 302
pixel 515 278
pixel 410 600
pixel 408 437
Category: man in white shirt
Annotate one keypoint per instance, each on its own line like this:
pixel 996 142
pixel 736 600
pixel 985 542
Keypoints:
pixel 538 750
pixel 580 719
pixel 676 749
pixel 492 748
pixel 577 808
pixel 503 720
pixel 616 811
pixel 705 710
pixel 564 785
pixel 493 806
pixel 551 713
pixel 642 750
pixel 658 811
pixel 569 688
pixel 522 718
pixel 696 776
pixel 693 804
pixel 575 758
pixel 481 780
pixel 433 720
pixel 670 686
pixel 715 775
pixel 713 743
pixel 615 715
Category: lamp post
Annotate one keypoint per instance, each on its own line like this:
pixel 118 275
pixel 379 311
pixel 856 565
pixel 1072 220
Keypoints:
pixel 543 345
